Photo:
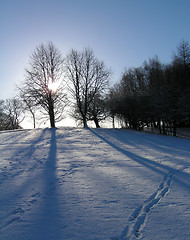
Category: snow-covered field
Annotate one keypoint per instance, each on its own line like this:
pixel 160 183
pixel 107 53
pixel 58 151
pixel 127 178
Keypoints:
pixel 93 184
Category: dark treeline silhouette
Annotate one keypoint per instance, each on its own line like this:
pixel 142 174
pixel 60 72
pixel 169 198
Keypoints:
pixel 153 96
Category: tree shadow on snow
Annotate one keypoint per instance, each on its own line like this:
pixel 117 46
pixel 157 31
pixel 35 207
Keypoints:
pixel 181 178
pixel 48 223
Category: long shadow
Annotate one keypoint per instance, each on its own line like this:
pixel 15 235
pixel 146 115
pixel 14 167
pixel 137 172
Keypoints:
pixel 50 216
pixel 47 179
pixel 158 142
pixel 44 216
pixel 168 145
pixel 153 166
pixel 13 135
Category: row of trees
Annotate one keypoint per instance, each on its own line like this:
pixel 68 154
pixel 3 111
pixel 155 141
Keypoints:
pixel 153 95
pixel 52 83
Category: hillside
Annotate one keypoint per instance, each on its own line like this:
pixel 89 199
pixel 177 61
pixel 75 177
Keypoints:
pixel 93 184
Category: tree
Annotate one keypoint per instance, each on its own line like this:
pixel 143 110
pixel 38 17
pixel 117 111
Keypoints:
pixel 178 75
pixel 43 85
pixel 155 78
pixel 97 111
pixel 182 55
pixel 131 91
pixel 28 106
pixel 3 117
pixel 111 105
pixel 14 114
pixel 87 78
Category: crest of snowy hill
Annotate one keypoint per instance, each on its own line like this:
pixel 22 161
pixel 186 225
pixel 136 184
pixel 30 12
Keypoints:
pixel 93 184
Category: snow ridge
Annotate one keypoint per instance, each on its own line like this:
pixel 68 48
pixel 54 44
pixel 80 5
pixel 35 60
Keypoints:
pixel 138 218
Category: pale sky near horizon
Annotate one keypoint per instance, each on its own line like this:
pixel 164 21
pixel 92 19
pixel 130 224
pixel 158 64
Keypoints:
pixel 122 33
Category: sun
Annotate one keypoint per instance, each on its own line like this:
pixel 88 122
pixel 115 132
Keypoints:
pixel 52 86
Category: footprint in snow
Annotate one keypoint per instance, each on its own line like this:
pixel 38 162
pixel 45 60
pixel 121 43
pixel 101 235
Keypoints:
pixel 138 218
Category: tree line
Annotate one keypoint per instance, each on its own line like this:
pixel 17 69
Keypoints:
pixel 154 95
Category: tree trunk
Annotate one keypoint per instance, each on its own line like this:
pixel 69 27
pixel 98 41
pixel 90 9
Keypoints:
pixel 159 126
pixel 152 127
pixel 174 128
pixel 84 121
pixel 52 120
pixel 96 122
pixel 51 113
pixel 113 121
pixel 163 127
pixel 34 119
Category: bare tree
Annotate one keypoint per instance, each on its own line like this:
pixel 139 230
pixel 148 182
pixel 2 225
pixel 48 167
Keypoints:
pixel 28 106
pixel 43 84
pixel 98 110
pixel 4 122
pixel 183 53
pixel 87 78
pixel 14 113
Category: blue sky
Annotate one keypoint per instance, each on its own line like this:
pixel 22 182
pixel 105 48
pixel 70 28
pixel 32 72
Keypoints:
pixel 122 33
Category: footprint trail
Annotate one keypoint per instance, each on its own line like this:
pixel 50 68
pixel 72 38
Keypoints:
pixel 138 218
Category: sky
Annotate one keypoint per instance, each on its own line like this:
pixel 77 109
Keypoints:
pixel 122 33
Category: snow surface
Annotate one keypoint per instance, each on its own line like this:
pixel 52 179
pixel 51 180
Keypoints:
pixel 93 184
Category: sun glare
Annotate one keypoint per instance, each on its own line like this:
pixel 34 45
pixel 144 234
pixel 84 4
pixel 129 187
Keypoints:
pixel 53 86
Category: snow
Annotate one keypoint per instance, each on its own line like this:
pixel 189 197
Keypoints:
pixel 93 184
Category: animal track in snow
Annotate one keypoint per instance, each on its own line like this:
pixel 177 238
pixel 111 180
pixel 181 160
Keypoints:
pixel 13 216
pixel 137 219
pixel 17 210
pixel 13 219
pixel 17 213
